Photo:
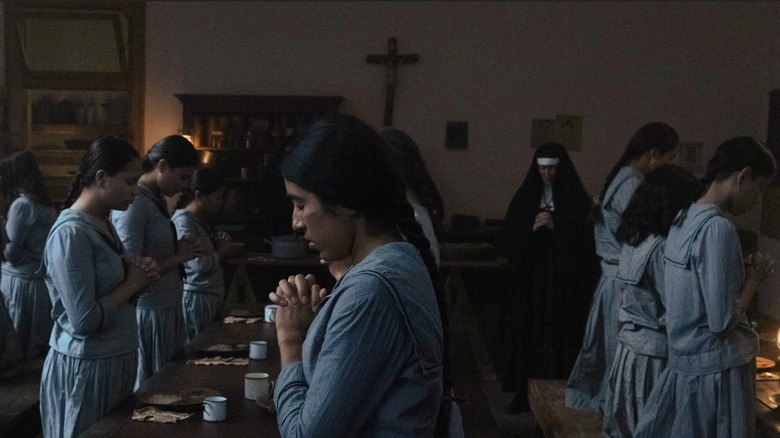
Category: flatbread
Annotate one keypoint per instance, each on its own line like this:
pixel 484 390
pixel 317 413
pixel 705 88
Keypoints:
pixel 164 399
pixel 764 363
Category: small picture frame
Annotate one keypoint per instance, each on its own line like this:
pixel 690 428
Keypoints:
pixel 690 156
pixel 457 135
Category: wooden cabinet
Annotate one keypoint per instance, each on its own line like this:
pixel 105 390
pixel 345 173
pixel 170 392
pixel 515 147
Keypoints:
pixel 242 137
pixel 75 71
pixel 242 134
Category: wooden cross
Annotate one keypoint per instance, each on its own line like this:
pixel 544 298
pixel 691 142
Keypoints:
pixel 391 61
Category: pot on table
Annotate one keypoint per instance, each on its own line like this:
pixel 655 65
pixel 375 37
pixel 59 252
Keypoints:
pixel 288 247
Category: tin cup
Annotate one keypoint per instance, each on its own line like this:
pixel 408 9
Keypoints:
pixel 256 385
pixel 215 408
pixel 258 350
pixel 270 313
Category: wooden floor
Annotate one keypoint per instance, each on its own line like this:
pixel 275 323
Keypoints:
pixel 476 354
pixel 19 413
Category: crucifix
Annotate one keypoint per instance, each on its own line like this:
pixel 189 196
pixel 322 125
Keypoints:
pixel 391 61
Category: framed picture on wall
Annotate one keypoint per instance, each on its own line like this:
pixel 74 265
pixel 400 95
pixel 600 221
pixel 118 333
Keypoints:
pixel 690 156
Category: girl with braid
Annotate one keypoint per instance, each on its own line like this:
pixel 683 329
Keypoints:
pixel 146 230
pixel 30 218
pixel 91 365
pixel 652 146
pixel 709 386
pixel 365 358
pixel 204 286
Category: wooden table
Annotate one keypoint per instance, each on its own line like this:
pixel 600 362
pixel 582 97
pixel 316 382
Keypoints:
pixel 768 418
pixel 244 417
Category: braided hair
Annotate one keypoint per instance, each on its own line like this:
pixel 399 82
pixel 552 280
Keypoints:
pixel 110 154
pixel 410 166
pixel 656 135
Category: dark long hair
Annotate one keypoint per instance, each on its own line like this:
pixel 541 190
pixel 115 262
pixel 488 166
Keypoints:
pixel 204 180
pixel 656 135
pixel 110 154
pixel 736 154
pixel 175 149
pixel 19 174
pixel 410 166
pixel 343 161
pixel 656 202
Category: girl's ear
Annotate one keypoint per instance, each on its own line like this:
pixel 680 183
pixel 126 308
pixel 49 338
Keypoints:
pixel 163 165
pixel 745 175
pixel 100 178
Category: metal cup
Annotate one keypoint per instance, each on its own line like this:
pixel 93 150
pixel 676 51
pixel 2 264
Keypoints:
pixel 215 408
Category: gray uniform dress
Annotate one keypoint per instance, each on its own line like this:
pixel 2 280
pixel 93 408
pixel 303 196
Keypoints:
pixel 204 282
pixel 22 283
pixel 91 365
pixel 372 357
pixel 587 385
pixel 641 352
pixel 146 230
pixel 708 388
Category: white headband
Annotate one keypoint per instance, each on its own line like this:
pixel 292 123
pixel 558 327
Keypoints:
pixel 547 161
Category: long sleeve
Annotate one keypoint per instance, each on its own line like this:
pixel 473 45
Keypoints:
pixel 21 217
pixel 72 276
pixel 205 263
pixel 353 367
pixel 720 275
pixel 131 228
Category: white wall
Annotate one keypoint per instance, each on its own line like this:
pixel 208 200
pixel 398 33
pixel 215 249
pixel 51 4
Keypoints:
pixel 704 68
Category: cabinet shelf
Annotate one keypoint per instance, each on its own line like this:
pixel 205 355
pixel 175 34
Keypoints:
pixel 58 104
pixel 89 130
pixel 262 122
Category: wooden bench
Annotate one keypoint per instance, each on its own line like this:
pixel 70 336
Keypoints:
pixel 19 413
pixel 553 418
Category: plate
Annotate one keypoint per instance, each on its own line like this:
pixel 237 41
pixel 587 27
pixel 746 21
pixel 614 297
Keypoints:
pixel 763 363
pixel 186 400
pixel 225 349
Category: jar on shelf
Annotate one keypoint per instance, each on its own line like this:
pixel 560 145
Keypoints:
pixel 217 139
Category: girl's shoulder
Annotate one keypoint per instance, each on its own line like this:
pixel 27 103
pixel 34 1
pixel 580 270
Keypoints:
pixel 624 184
pixel 695 222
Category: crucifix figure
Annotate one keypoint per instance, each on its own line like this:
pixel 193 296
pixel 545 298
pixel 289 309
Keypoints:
pixel 391 61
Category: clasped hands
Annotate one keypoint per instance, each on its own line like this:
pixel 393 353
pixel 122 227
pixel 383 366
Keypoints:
pixel 298 298
pixel 543 219
pixel 142 270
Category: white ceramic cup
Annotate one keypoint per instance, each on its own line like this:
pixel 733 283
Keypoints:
pixel 256 385
pixel 270 313
pixel 214 408
pixel 258 350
